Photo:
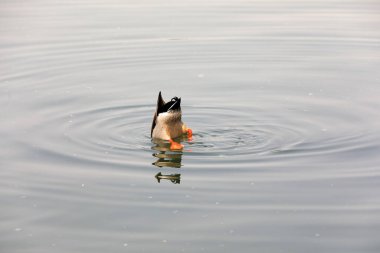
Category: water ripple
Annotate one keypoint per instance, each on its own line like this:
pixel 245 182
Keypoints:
pixel 111 133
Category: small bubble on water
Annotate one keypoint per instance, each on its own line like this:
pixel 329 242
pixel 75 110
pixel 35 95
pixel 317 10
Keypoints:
pixel 82 185
pixel 125 244
pixel 164 241
pixel 18 229
pixel 200 75
pixel 317 235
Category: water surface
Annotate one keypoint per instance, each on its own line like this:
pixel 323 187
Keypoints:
pixel 282 97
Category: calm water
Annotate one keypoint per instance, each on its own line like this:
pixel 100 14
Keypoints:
pixel 283 98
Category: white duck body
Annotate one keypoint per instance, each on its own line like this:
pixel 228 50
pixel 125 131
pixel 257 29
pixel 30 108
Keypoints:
pixel 167 120
pixel 169 125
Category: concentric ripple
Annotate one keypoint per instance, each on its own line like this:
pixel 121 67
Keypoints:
pixel 112 134
pixel 109 134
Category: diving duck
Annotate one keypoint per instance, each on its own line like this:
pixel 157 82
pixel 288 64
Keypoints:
pixel 167 122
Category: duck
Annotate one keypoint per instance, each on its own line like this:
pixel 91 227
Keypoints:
pixel 167 122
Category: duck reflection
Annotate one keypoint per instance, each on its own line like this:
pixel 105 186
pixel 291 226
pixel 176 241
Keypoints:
pixel 174 178
pixel 167 158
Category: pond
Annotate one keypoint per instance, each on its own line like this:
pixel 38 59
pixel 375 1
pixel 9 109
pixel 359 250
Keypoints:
pixel 282 98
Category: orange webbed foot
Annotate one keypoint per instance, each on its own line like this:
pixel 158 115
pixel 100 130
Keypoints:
pixel 175 145
pixel 189 134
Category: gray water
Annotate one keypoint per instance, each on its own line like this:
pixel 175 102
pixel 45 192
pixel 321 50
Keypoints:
pixel 283 98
